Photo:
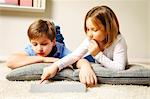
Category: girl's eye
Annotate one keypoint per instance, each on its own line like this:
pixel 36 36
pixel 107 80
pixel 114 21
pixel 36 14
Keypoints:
pixel 95 30
pixel 87 30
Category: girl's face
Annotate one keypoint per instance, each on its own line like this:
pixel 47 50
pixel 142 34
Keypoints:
pixel 94 31
pixel 42 46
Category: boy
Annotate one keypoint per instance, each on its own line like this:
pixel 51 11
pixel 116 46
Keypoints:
pixel 43 48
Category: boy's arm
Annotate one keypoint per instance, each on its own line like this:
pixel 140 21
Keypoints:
pixel 22 58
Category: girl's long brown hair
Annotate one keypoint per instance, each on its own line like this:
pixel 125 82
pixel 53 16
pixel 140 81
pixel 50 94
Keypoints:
pixel 107 17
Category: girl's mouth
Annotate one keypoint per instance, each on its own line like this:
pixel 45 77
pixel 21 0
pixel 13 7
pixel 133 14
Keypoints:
pixel 96 42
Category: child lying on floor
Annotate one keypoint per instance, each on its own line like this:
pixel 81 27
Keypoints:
pixel 104 42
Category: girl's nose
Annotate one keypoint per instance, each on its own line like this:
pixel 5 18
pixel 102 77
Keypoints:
pixel 90 35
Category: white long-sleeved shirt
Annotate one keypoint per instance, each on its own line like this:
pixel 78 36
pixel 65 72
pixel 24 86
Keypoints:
pixel 114 57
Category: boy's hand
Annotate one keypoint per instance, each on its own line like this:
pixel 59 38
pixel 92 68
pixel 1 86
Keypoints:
pixel 49 72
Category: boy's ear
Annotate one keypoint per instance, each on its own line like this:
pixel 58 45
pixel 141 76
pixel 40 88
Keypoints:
pixel 54 42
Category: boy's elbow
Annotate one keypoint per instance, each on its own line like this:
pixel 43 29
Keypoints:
pixel 10 65
pixel 12 62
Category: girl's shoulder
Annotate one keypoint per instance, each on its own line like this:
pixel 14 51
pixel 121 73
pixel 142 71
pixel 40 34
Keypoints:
pixel 120 38
pixel 120 41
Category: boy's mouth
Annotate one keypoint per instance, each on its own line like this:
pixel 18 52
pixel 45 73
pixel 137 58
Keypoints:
pixel 41 54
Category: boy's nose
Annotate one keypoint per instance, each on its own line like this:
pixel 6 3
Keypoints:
pixel 39 48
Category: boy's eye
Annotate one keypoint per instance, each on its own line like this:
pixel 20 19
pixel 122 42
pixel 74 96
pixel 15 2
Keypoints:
pixel 34 44
pixel 44 44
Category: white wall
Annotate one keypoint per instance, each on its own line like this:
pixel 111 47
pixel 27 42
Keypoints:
pixel 132 15
pixel 149 26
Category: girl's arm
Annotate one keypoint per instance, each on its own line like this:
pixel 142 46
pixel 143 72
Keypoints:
pixel 74 56
pixel 119 60
pixel 86 74
pixel 51 71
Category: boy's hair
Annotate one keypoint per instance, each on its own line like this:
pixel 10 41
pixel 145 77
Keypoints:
pixel 42 28
pixel 108 19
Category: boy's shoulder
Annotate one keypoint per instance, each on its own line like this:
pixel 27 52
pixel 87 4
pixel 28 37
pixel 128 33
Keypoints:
pixel 60 45
pixel 62 49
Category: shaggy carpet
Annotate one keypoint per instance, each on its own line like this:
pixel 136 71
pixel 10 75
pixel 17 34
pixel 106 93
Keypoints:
pixel 20 90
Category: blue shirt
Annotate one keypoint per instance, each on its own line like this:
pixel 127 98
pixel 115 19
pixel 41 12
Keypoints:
pixel 58 51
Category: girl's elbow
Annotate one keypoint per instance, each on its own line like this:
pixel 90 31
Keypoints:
pixel 120 67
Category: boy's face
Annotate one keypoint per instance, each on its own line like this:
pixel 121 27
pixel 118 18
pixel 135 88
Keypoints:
pixel 42 46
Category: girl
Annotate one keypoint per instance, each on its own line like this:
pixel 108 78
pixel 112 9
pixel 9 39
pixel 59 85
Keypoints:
pixel 104 42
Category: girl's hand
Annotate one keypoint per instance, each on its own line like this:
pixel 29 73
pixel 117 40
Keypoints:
pixel 87 76
pixel 49 72
pixel 93 48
